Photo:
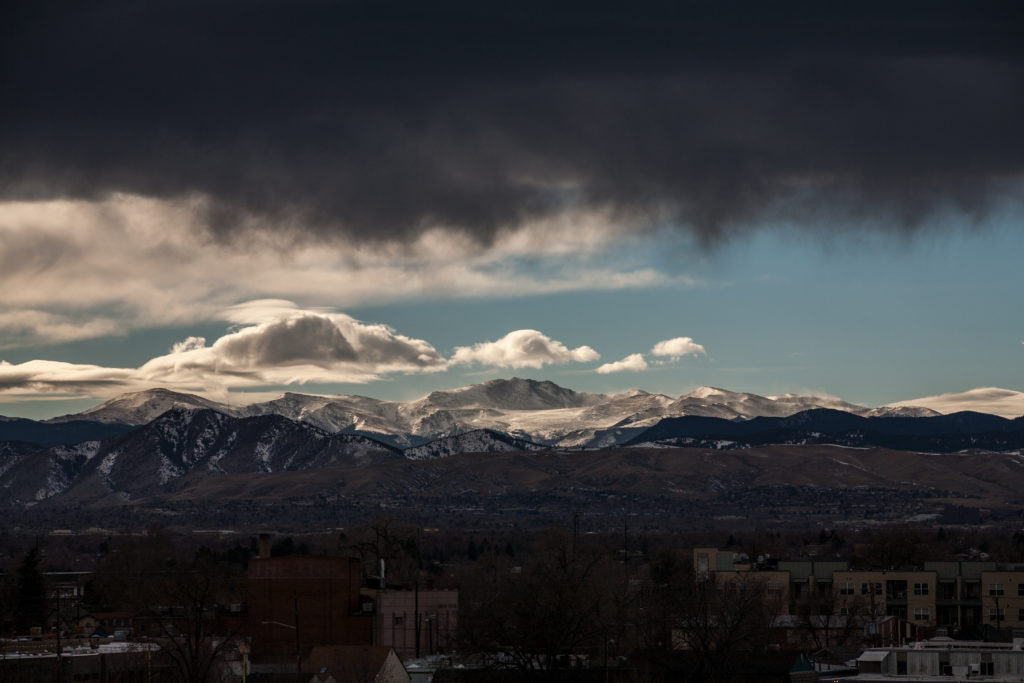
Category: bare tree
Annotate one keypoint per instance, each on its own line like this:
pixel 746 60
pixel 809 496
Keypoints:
pixel 183 611
pixel 829 620
pixel 893 547
pixel 384 539
pixel 179 597
pixel 557 605
pixel 723 623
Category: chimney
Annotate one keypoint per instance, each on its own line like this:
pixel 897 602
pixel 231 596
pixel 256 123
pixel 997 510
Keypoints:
pixel 264 546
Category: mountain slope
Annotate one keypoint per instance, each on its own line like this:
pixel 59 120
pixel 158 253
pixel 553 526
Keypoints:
pixel 943 433
pixel 178 447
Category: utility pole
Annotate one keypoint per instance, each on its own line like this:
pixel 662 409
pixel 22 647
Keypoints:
pixel 60 652
pixel 998 620
pixel 416 616
pixel 575 529
pixel 298 651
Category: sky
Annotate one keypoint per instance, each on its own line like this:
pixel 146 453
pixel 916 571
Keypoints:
pixel 241 198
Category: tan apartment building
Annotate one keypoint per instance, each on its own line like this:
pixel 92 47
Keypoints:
pixel 1002 598
pixel 907 595
pixel 956 594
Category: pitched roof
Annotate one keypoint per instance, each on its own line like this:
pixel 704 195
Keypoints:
pixel 346 661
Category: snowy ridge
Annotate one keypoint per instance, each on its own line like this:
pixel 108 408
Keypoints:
pixel 142 407
pixel 477 441
pixel 539 412
pixel 901 411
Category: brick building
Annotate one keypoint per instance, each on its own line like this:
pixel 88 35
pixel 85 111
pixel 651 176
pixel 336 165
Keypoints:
pixel 299 602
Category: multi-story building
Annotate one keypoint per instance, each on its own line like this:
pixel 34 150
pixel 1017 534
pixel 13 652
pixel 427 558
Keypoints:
pixel 1002 597
pixel 907 595
pixel 957 594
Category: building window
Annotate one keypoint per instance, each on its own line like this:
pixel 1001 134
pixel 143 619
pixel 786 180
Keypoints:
pixel 996 614
pixel 844 612
pixel 878 589
pixel 995 589
pixel 864 588
pixel 1020 589
pixel 703 566
pixel 920 589
pixel 774 587
pixel 846 588
pixel 922 614
pixel 1020 614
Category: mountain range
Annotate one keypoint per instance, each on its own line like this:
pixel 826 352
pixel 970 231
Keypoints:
pixel 157 442
pixel 542 412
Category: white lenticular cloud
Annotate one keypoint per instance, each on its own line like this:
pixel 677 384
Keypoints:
pixel 48 377
pixel 297 346
pixel 1004 402
pixel 523 349
pixel 632 363
pixel 678 347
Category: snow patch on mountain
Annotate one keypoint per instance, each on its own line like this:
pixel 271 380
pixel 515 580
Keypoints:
pixel 105 467
pixel 64 464
pixel 167 470
pixel 901 411
pixel 477 441
pixel 214 462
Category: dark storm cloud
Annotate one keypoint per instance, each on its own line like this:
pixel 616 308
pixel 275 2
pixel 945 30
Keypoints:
pixel 378 119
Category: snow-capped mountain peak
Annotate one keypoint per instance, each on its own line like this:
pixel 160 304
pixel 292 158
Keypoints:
pixel 539 411
pixel 142 407
pixel 705 393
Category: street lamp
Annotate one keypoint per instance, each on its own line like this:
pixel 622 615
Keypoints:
pixel 295 627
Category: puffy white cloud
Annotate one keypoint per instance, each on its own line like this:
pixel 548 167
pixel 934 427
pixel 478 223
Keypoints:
pixel 189 344
pixel 523 349
pixel 678 347
pixel 634 362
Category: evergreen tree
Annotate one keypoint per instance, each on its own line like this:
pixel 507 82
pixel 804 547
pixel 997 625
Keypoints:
pixel 30 597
